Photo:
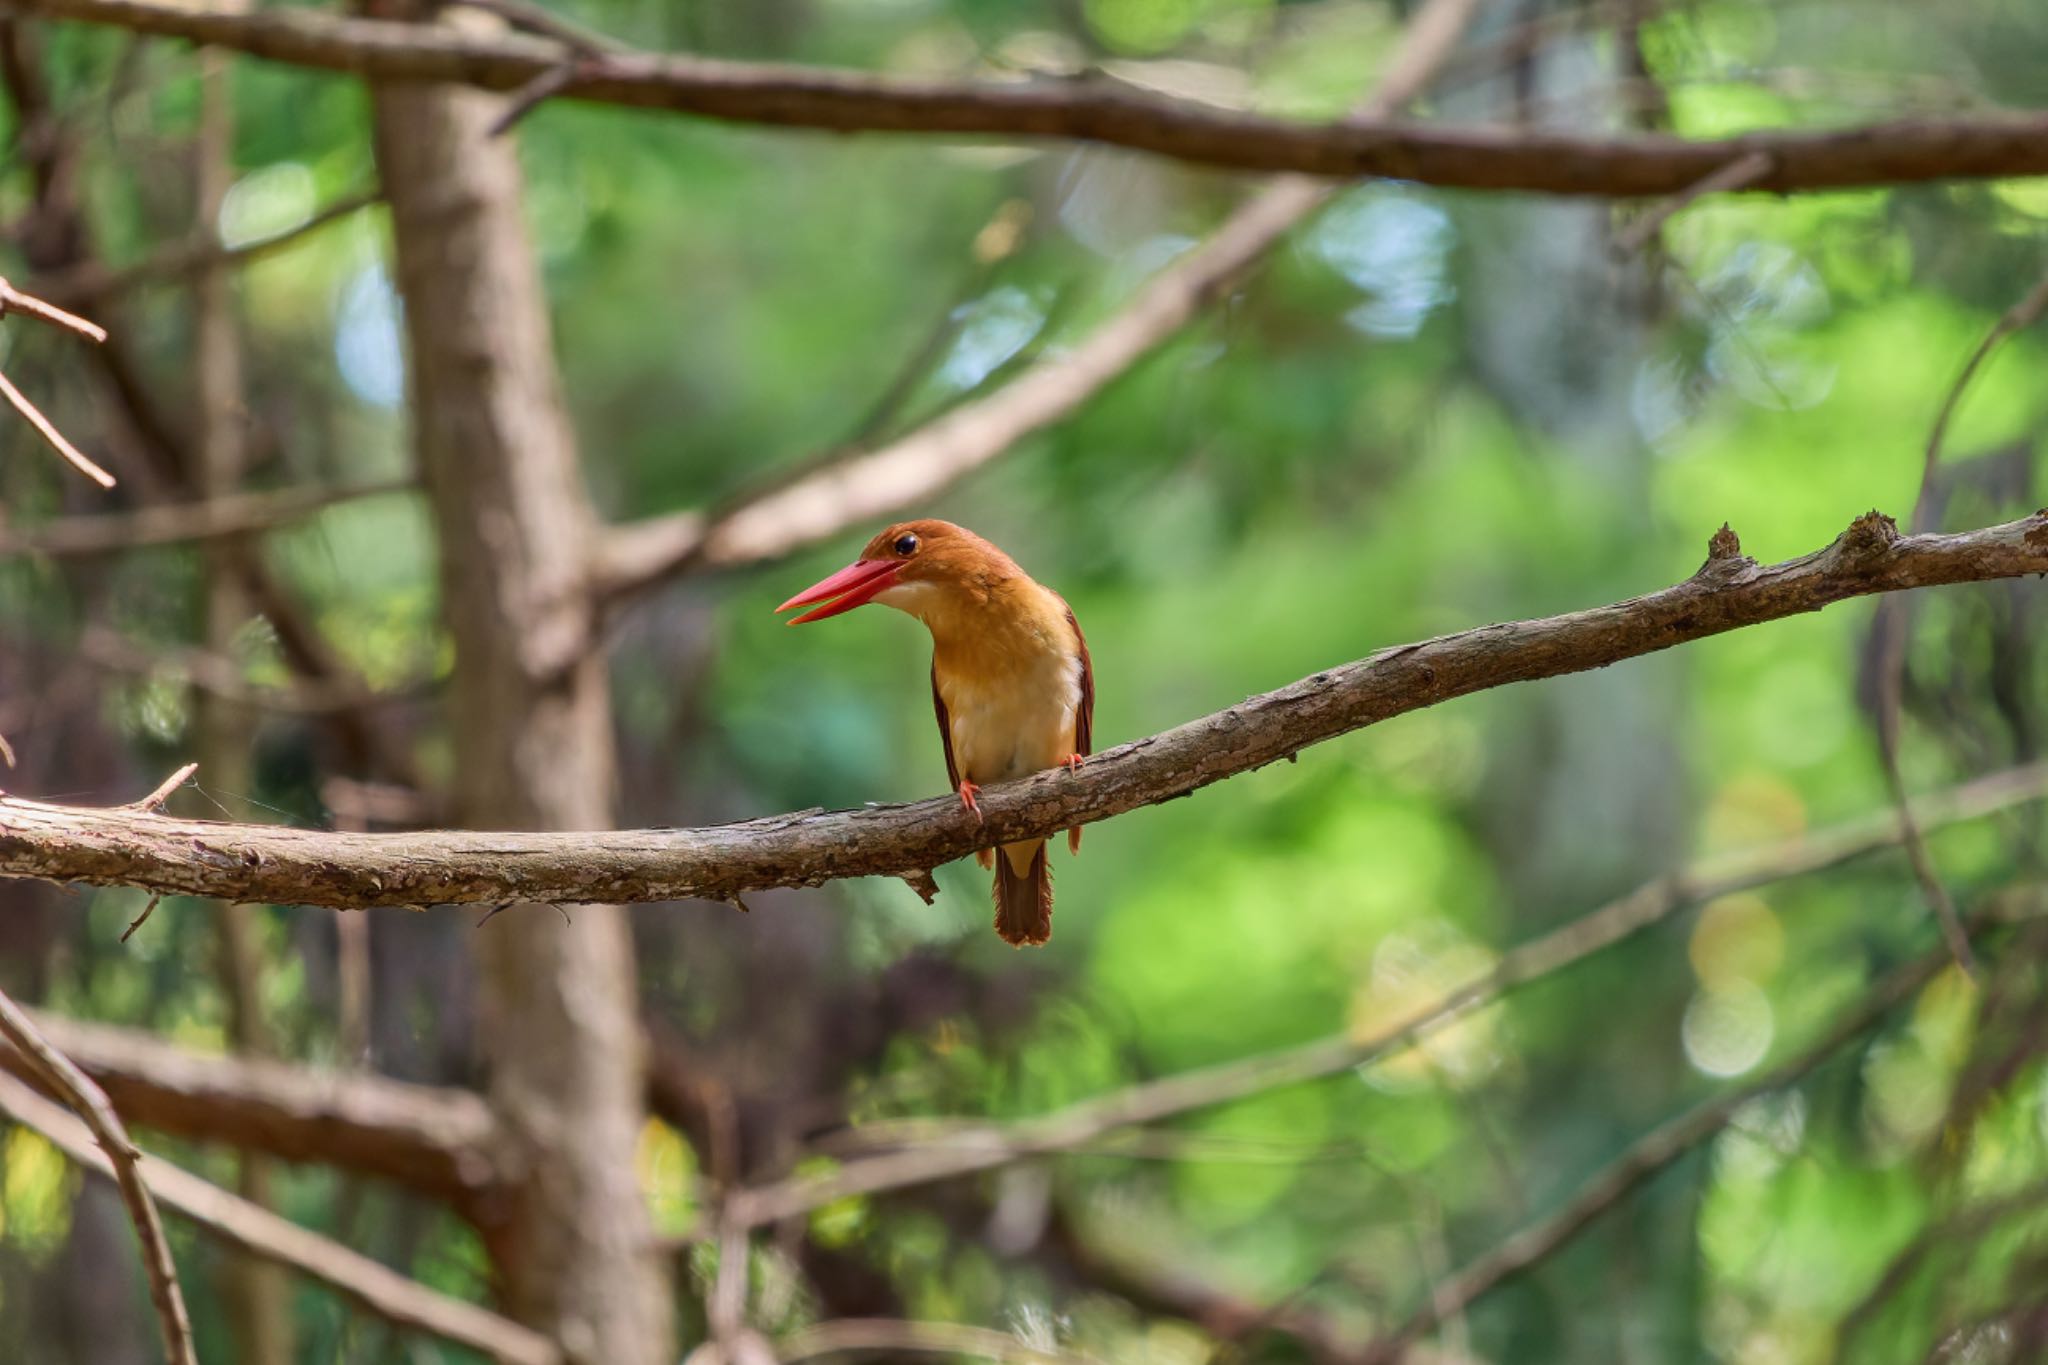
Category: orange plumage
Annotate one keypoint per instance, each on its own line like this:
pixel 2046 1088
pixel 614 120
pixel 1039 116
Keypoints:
pixel 1011 680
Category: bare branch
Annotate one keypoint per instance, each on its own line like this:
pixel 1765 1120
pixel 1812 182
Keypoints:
pixel 162 793
pixel 867 486
pixel 437 1141
pixel 256 1230
pixel 846 101
pixel 1648 1156
pixel 807 848
pixel 175 523
pixel 121 1158
pixel 12 300
pixel 48 431
pixel 965 1148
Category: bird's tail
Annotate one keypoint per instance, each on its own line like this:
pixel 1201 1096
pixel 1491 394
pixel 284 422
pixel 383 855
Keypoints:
pixel 1023 894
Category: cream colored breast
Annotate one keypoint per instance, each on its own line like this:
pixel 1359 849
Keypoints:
pixel 1010 726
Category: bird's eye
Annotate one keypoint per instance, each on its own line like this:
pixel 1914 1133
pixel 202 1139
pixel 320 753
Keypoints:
pixel 906 546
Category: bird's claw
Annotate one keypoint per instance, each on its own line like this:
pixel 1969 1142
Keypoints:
pixel 1074 762
pixel 967 791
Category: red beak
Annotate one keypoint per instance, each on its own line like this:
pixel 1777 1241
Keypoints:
pixel 855 585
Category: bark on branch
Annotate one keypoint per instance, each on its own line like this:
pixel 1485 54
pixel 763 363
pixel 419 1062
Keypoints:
pixel 159 853
pixel 850 101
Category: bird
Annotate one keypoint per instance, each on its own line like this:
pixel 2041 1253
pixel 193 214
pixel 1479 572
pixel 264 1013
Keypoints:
pixel 1012 683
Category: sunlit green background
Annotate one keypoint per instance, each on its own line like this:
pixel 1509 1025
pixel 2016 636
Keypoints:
pixel 1431 410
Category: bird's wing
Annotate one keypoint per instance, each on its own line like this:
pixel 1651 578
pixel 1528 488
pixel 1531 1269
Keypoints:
pixel 1084 719
pixel 945 729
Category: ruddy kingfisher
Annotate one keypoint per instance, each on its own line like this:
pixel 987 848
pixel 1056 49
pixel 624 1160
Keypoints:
pixel 1011 681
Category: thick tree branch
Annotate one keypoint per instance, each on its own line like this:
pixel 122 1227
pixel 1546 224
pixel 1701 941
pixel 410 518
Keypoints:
pixel 101 1135
pixel 256 1230
pixel 849 101
pixel 808 848
pixel 437 1141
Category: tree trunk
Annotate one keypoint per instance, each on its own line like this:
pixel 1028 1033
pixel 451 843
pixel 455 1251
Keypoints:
pixel 532 751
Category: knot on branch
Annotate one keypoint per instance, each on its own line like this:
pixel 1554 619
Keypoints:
pixel 1869 536
pixel 1724 555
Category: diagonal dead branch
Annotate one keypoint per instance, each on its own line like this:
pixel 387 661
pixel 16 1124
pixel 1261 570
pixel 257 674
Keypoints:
pixel 121 1158
pixel 250 1228
pixel 313 867
pixel 869 485
pixel 1541 160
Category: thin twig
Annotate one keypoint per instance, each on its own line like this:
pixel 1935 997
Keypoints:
pixel 155 800
pixel 535 92
pixel 12 300
pixel 1892 624
pixel 49 432
pixel 1738 174
pixel 90 1103
pixel 136 923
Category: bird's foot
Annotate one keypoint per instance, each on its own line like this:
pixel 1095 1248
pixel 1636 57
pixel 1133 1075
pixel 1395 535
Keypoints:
pixel 967 791
pixel 1074 762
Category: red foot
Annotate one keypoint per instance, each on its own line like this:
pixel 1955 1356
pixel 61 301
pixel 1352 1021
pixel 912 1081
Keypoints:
pixel 967 791
pixel 1074 762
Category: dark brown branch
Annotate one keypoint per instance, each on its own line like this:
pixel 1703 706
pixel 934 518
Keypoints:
pixel 256 1230
pixel 808 848
pixel 121 1160
pixel 963 1148
pixel 436 1141
pixel 847 101
pixel 1647 1157
pixel 175 523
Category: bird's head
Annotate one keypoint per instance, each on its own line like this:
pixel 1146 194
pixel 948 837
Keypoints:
pixel 907 564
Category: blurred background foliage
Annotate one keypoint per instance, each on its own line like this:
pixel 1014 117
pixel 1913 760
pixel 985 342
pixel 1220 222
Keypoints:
pixel 1432 410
